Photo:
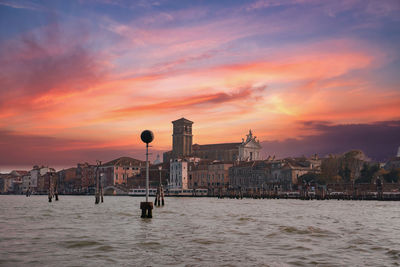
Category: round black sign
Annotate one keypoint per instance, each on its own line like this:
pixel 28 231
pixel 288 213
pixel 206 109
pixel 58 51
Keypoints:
pixel 147 136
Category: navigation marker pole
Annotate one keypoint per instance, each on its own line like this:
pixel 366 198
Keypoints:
pixel 146 207
pixel 56 188
pixel 97 193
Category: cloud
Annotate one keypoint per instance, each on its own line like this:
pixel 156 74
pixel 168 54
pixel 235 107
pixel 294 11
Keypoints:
pixel 379 140
pixel 46 65
pixel 192 102
pixel 21 5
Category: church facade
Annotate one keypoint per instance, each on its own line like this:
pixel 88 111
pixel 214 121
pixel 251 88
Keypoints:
pixel 183 147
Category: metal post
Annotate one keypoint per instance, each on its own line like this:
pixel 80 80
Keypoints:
pixel 146 207
pixel 159 168
pixel 147 172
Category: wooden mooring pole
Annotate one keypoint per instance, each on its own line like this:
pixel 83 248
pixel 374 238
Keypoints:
pixel 160 192
pixel 97 193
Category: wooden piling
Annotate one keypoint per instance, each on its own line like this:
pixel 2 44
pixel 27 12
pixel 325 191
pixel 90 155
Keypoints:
pixel 162 196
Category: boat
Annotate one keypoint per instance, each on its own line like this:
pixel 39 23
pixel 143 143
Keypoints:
pixel 141 192
pixel 186 192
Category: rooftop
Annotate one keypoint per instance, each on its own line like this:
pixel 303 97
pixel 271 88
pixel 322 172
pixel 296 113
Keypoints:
pixel 183 120
pixel 216 146
pixel 125 161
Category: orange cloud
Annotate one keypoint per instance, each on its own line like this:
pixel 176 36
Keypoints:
pixel 192 102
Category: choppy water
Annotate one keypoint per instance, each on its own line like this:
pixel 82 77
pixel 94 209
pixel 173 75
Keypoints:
pixel 198 232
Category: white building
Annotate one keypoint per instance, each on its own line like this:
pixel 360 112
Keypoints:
pixel 178 174
pixel 250 148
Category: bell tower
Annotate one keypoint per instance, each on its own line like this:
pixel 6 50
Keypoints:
pixel 182 138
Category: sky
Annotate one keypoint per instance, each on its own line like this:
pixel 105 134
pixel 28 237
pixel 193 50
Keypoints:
pixel 80 80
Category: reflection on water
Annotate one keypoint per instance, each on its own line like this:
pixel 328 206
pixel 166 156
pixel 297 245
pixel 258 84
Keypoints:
pixel 198 232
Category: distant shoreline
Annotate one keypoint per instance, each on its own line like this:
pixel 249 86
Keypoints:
pixel 387 196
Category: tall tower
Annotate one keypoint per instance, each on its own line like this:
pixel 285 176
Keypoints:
pixel 182 138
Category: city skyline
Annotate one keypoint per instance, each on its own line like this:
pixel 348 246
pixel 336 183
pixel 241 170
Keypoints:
pixel 81 80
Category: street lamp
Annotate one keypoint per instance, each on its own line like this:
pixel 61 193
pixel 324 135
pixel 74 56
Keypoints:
pixel 160 168
pixel 147 137
pixel 160 196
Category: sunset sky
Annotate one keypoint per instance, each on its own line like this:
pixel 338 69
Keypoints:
pixel 80 80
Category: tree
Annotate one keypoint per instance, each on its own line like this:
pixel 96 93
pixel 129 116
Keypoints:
pixel 330 168
pixel 393 176
pixel 353 162
pixel 367 173
pixel 312 177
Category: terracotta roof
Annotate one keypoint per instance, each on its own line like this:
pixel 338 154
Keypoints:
pixel 216 146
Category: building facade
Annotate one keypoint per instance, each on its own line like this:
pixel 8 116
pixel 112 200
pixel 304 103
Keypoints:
pixel 178 174
pixel 87 175
pixel 182 138
pixel 218 176
pixel 198 174
pixel 117 172
pixel 182 147
pixel 250 148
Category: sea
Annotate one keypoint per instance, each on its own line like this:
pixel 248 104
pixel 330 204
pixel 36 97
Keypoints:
pixel 198 232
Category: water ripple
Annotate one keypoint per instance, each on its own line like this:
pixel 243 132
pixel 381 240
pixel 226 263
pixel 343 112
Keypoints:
pixel 198 232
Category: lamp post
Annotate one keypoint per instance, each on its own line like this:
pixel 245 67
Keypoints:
pixel 160 190
pixel 146 207
pixel 160 168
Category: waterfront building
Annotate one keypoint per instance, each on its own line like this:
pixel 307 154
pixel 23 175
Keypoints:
pixel 292 168
pixel 178 174
pixel 182 139
pixel 6 183
pixel 117 171
pixel 15 181
pixel 218 176
pixel 86 173
pixel 68 180
pixel 43 180
pixel 36 173
pixel 139 180
pixel 271 173
pixel 247 150
pixel 249 174
pixel 198 174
